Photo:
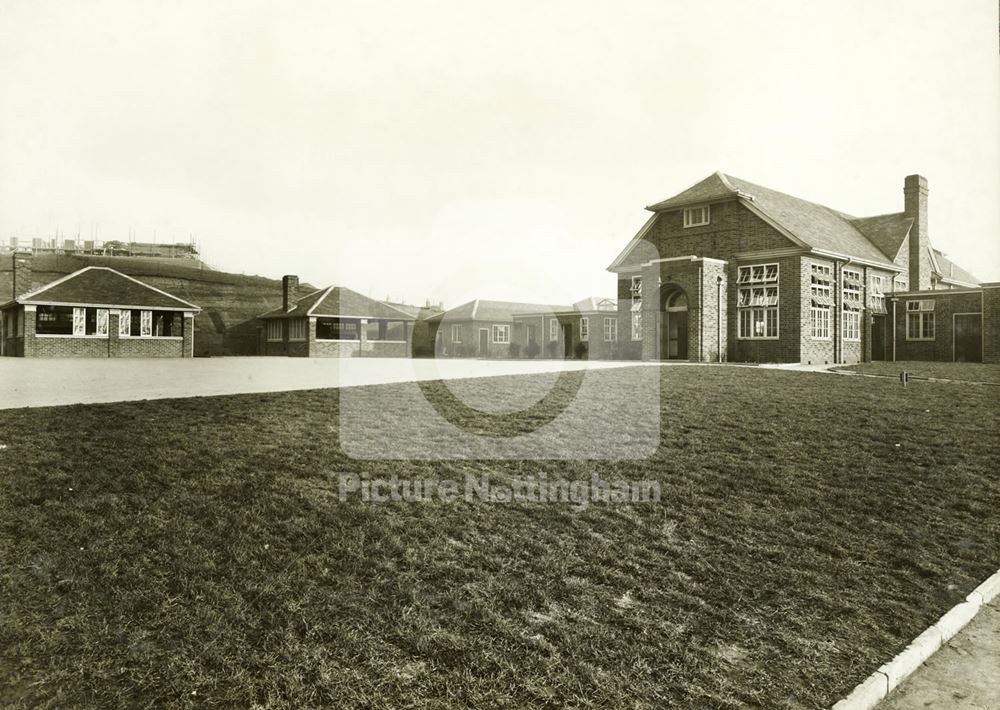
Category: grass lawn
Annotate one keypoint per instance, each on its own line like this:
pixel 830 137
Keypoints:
pixel 964 371
pixel 193 553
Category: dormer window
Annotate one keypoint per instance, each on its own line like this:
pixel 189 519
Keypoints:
pixel 696 216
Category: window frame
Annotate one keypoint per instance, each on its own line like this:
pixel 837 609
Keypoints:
pixel 274 326
pixel 825 330
pixel 456 328
pixel 851 326
pixel 923 313
pixel 553 330
pixel 704 216
pixel 497 328
pixel 758 281
pixel 294 326
pixel 584 328
pixel 610 330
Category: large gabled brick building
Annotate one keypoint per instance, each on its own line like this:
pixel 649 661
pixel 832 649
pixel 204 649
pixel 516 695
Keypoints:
pixel 730 270
pixel 94 312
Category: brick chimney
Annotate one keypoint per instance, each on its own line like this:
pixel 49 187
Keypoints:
pixel 915 207
pixel 22 273
pixel 289 291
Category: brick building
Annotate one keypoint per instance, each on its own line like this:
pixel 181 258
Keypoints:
pixel 484 328
pixel 334 322
pixel 588 329
pixel 93 312
pixel 730 270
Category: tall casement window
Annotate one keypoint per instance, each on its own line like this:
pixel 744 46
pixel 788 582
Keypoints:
pixel 696 216
pixel 584 328
pixel 456 332
pixel 876 296
pixel 821 304
pixel 610 330
pixel 553 329
pixel 853 290
pixel 820 322
pixel 635 289
pixel 125 324
pixel 297 328
pixel 501 334
pixel 757 302
pixel 274 330
pixel 920 320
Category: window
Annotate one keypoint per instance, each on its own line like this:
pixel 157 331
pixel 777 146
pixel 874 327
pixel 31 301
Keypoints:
pixel 584 328
pixel 876 298
pixel 920 320
pixel 852 325
pixel 53 320
pixel 71 320
pixel 274 330
pixel 757 301
pixel 163 324
pixel 696 216
pixel 553 329
pixel 821 281
pixel 102 321
pixel 297 328
pixel 610 330
pixel 759 273
pixel 146 324
pixel 79 321
pixel 456 332
pixel 124 324
pixel 338 329
pixel 501 334
pixel 636 307
pixel 820 319
pixel 852 289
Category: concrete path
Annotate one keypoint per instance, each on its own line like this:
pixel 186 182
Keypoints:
pixel 26 382
pixel 963 675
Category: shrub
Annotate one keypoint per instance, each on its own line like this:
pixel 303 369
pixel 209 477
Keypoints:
pixel 532 349
pixel 515 350
pixel 581 351
pixel 552 348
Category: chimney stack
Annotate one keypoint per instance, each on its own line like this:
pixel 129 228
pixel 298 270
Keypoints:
pixel 915 207
pixel 289 291
pixel 22 273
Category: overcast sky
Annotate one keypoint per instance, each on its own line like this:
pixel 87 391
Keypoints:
pixel 468 149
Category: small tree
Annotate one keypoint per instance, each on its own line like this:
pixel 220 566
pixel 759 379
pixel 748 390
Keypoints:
pixel 515 350
pixel 532 349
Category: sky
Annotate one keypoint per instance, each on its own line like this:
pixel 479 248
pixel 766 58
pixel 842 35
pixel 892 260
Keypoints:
pixel 456 150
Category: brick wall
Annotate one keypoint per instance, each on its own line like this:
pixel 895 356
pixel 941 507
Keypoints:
pixel 111 345
pixel 787 346
pixel 991 323
pixel 946 304
pixel 336 348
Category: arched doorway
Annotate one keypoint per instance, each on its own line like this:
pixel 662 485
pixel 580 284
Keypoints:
pixel 673 323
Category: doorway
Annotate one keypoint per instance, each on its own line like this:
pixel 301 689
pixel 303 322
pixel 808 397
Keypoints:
pixel 674 325
pixel 567 330
pixel 878 338
pixel 968 337
pixel 484 342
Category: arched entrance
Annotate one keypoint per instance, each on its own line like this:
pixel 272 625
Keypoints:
pixel 673 323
